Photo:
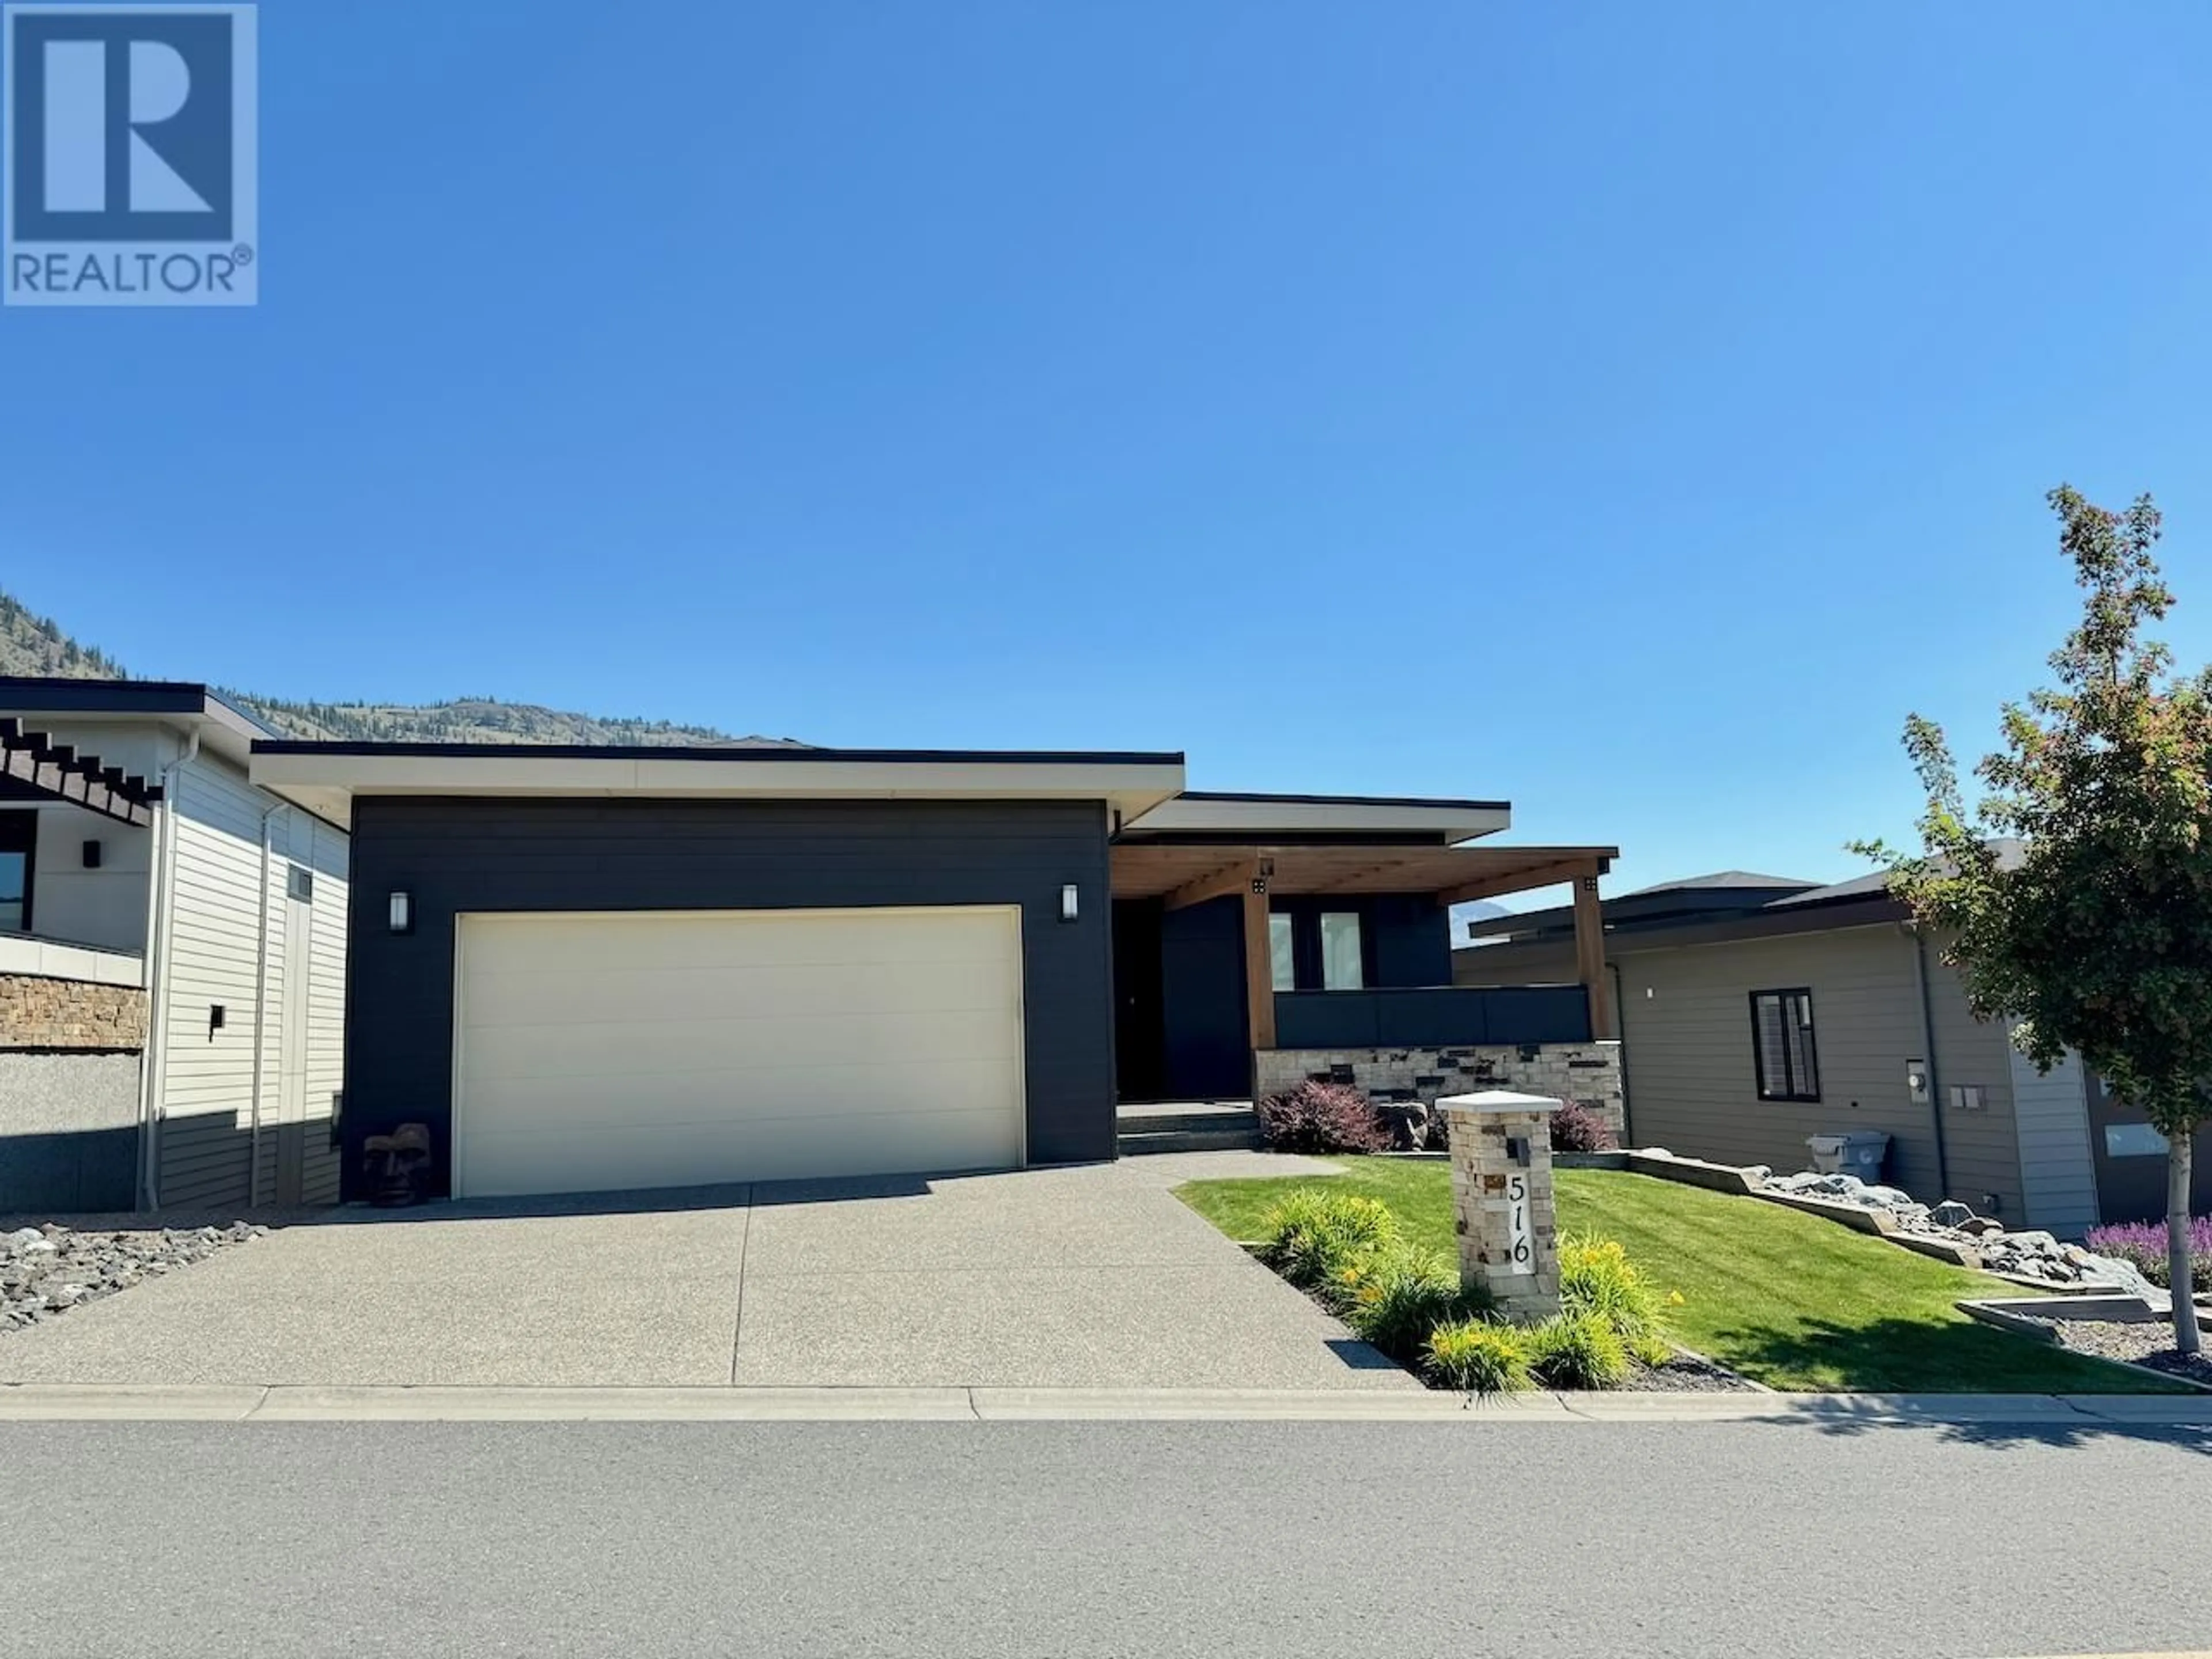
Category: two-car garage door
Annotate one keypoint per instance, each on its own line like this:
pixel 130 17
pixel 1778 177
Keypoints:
pixel 600 1052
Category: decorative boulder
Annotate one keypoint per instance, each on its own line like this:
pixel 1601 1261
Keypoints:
pixel 1951 1213
pixel 1406 1122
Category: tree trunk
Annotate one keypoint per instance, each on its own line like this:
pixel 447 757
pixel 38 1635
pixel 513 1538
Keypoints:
pixel 2177 1240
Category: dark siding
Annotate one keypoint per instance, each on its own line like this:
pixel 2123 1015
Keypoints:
pixel 457 855
pixel 1431 1016
pixel 2132 1187
pixel 1209 1049
pixel 1406 936
pixel 1412 940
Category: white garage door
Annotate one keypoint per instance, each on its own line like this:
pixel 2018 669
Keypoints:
pixel 607 1051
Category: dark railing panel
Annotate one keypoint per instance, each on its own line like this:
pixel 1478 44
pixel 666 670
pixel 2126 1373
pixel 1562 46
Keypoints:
pixel 1431 1016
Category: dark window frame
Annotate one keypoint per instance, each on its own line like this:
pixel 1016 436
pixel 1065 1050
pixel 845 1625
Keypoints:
pixel 1794 1089
pixel 19 833
pixel 1305 911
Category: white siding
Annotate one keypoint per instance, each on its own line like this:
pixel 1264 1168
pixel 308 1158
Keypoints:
pixel 2052 1115
pixel 214 930
pixel 106 906
pixel 208 1078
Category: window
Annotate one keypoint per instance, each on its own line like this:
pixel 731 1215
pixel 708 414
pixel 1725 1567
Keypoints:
pixel 1282 946
pixel 1343 964
pixel 1782 1045
pixel 18 840
pixel 2133 1140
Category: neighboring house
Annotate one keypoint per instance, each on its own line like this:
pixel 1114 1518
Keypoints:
pixel 172 957
pixel 595 969
pixel 1757 1010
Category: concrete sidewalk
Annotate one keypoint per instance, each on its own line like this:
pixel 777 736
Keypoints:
pixel 1093 1276
pixel 2065 1413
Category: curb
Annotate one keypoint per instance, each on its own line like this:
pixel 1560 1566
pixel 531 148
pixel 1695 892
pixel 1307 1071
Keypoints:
pixel 294 1403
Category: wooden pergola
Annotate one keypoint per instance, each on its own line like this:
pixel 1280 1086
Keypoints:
pixel 58 770
pixel 1181 874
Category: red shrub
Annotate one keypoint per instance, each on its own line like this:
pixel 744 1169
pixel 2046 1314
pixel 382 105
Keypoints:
pixel 1321 1117
pixel 1576 1128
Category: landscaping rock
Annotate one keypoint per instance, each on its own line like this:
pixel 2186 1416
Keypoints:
pixel 1407 1122
pixel 2031 1254
pixel 46 1271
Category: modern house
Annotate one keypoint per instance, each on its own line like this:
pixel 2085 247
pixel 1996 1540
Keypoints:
pixel 172 957
pixel 595 969
pixel 1757 1010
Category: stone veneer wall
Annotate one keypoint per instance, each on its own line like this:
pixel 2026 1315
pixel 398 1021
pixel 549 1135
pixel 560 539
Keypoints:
pixel 48 1014
pixel 1587 1072
pixel 69 1055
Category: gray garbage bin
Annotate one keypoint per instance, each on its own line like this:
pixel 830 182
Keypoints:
pixel 1861 1153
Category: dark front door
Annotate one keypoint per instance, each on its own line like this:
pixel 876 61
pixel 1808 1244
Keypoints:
pixel 1139 1037
pixel 1208 1024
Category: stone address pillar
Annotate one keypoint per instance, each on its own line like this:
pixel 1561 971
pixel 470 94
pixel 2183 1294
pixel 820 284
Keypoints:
pixel 1502 1207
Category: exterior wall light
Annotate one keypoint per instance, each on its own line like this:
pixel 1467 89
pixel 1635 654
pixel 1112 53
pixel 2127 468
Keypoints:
pixel 403 913
pixel 1070 903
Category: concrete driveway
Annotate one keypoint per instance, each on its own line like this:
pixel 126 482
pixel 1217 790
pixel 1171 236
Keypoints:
pixel 1095 1277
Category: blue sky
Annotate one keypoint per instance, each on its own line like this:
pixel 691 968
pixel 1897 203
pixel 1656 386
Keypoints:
pixel 1631 411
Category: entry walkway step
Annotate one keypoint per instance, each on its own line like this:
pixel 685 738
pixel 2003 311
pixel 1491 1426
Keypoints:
pixel 1188 1126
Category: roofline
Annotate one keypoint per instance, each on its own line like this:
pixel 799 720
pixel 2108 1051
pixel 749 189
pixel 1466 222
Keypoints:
pixel 59 694
pixel 1845 914
pixel 228 730
pixel 1820 916
pixel 755 752
pixel 1449 803
pixel 328 777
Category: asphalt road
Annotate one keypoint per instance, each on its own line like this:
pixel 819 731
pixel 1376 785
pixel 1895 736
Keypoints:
pixel 1069 1539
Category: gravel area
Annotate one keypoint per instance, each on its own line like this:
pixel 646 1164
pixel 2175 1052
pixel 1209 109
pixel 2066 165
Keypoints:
pixel 46 1271
pixel 2144 1342
pixel 1688 1373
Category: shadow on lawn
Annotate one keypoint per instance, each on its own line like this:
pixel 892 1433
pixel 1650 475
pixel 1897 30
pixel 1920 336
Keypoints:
pixel 1911 1356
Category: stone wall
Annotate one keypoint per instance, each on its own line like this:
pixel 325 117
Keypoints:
pixel 1586 1072
pixel 1503 1211
pixel 67 1014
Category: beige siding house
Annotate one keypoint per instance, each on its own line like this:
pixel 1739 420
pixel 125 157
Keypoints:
pixel 1703 970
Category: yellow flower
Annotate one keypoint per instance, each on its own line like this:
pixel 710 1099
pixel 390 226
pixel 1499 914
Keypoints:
pixel 1675 1299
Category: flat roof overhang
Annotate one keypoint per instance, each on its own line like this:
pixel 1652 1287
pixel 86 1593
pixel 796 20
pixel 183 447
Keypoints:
pixel 326 777
pixel 1217 815
pixel 1456 875
pixel 180 706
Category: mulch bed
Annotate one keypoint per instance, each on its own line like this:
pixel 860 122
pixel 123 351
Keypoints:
pixel 1688 1373
pixel 2147 1343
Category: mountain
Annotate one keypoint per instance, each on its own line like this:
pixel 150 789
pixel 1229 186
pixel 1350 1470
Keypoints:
pixel 36 645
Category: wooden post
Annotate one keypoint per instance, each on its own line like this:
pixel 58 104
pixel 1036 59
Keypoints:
pixel 1259 966
pixel 1589 957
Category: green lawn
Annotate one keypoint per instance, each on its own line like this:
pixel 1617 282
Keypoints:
pixel 1789 1299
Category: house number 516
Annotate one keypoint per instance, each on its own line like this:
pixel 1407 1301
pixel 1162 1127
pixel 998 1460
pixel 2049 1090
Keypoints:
pixel 1518 1237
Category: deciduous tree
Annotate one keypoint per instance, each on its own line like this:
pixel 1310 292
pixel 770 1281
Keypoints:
pixel 2076 899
